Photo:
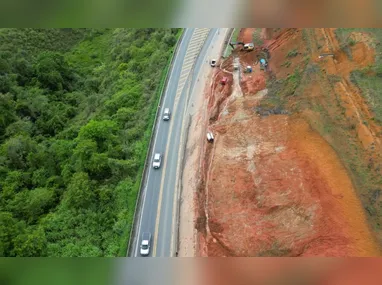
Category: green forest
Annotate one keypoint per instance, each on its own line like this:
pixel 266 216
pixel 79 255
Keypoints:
pixel 76 111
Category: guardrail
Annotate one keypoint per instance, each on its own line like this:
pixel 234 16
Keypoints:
pixel 139 196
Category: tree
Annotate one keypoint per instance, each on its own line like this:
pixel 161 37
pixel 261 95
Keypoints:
pixel 73 124
pixel 7 111
pixel 102 132
pixel 16 151
pixel 80 193
pixel 24 70
pixel 31 103
pixel 32 243
pixel 39 201
pixel 125 116
pixel 13 183
pixel 82 154
pixel 21 127
pixel 81 250
pixel 170 40
pixel 8 231
pixel 53 71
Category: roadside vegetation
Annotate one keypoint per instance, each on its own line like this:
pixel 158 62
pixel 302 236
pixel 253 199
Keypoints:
pixel 76 112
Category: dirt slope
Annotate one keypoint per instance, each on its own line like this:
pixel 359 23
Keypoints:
pixel 273 182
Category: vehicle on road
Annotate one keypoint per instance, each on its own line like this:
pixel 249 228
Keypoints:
pixel 166 114
pixel 213 62
pixel 145 244
pixel 157 160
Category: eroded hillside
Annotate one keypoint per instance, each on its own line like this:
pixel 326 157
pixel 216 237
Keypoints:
pixel 295 168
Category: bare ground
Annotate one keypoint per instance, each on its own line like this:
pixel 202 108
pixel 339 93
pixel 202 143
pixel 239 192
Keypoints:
pixel 272 184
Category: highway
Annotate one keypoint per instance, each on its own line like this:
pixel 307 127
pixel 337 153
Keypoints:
pixel 157 213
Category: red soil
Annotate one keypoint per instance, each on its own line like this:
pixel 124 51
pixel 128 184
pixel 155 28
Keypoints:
pixel 272 186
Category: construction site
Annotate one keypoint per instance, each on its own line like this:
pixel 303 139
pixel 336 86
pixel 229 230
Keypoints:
pixel 292 164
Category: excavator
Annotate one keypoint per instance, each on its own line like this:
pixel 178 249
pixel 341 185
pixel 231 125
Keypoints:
pixel 246 47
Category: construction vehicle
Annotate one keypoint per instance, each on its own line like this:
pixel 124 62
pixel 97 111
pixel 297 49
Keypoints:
pixel 246 47
pixel 248 69
pixel 263 64
pixel 232 44
pixel 249 47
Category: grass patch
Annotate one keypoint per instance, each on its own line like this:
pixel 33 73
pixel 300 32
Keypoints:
pixel 235 35
pixel 292 53
pixel 286 64
pixel 292 82
pixel 334 78
pixel 256 37
pixel 228 49
pixel 371 86
pixel 275 251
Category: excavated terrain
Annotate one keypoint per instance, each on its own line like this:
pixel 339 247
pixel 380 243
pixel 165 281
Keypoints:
pixel 275 182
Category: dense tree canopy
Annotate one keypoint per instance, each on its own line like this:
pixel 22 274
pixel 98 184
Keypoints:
pixel 76 108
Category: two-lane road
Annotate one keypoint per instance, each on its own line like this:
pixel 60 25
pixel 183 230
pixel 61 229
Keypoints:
pixel 157 214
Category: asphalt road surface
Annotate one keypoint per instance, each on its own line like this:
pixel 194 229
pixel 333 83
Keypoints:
pixel 157 214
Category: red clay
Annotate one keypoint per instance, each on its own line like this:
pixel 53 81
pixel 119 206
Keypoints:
pixel 272 186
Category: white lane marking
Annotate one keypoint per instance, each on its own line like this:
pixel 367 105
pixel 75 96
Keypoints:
pixel 162 185
pixel 155 139
pixel 163 176
pixel 139 229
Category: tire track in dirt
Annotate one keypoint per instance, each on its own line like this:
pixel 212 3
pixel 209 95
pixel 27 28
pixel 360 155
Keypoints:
pixel 357 102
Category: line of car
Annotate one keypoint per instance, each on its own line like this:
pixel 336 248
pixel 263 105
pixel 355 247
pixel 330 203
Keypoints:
pixel 157 161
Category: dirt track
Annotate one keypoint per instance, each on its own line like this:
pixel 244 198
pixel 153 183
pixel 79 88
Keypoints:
pixel 271 184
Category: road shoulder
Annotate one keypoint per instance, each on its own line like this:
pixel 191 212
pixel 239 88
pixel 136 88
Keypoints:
pixel 194 146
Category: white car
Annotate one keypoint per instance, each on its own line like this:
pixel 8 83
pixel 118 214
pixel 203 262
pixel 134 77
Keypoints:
pixel 166 114
pixel 145 244
pixel 213 62
pixel 157 160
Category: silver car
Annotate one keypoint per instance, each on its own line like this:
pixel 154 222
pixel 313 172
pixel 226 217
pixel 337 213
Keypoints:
pixel 145 244
pixel 157 160
pixel 166 114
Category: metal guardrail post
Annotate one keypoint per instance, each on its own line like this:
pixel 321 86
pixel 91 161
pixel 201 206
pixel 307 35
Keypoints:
pixel 149 152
